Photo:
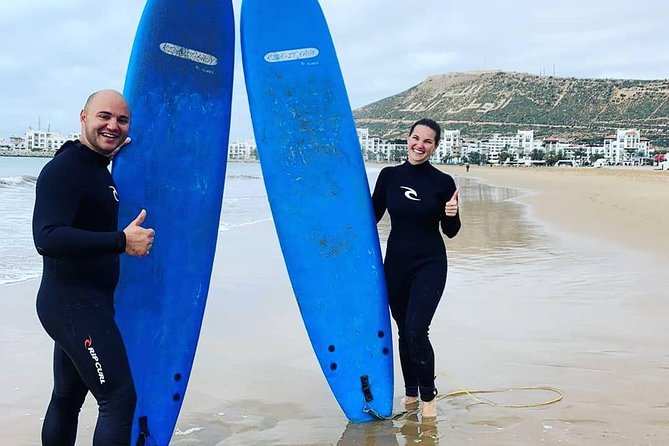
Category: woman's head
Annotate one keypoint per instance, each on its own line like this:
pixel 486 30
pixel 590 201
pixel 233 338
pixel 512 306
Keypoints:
pixel 423 140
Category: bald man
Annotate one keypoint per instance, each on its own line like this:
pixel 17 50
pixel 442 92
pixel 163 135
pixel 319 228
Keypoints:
pixel 75 229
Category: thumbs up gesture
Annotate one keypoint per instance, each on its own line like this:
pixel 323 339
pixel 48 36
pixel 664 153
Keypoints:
pixel 138 240
pixel 452 205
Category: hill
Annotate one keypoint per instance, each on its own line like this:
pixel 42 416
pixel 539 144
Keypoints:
pixel 485 102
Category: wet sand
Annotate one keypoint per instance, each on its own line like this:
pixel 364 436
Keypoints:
pixel 617 205
pixel 542 291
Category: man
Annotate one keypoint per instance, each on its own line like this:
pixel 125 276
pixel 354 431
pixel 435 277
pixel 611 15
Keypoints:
pixel 75 229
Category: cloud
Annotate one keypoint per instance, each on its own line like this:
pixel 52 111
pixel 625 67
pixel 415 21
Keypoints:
pixel 57 52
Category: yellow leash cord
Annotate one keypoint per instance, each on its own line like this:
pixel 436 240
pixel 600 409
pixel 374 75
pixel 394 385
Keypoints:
pixel 488 402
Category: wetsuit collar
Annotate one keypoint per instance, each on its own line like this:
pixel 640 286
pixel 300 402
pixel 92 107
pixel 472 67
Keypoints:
pixel 417 167
pixel 87 152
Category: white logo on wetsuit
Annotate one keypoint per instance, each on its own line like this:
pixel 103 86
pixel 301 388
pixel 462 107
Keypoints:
pixel 88 345
pixel 410 193
pixel 114 192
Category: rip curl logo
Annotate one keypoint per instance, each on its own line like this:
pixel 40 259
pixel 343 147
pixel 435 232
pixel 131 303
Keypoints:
pixel 114 193
pixel 88 345
pixel 288 55
pixel 411 194
pixel 188 54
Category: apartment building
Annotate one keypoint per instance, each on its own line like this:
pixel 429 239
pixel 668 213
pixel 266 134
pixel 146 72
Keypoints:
pixel 626 145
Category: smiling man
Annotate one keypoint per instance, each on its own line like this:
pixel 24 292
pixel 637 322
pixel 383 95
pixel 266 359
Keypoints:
pixel 105 121
pixel 75 229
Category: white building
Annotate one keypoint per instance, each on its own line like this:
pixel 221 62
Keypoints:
pixel 374 149
pixel 626 145
pixel 363 138
pixel 518 146
pixel 242 151
pixel 46 141
pixel 450 146
pixel 377 150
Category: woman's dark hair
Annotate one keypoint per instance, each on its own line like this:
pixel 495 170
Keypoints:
pixel 431 124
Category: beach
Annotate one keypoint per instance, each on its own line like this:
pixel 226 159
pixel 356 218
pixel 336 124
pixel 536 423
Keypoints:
pixel 618 205
pixel 558 279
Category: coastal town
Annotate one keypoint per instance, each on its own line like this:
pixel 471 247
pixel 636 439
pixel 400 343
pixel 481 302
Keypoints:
pixel 627 147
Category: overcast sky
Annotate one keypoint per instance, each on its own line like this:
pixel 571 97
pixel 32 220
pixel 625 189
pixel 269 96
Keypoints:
pixel 55 52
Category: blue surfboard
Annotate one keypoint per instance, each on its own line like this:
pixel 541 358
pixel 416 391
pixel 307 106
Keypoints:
pixel 318 192
pixel 179 87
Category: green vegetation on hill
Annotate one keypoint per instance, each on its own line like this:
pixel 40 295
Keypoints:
pixel 482 103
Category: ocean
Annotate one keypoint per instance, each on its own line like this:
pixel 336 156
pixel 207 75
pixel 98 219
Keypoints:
pixel 245 203
pixel 18 258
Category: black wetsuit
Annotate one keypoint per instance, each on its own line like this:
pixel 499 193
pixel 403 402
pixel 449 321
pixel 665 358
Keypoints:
pixel 75 229
pixel 415 263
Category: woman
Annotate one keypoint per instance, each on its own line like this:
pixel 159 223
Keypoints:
pixel 419 199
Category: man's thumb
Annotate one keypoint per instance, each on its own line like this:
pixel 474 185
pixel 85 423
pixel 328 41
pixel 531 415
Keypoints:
pixel 140 218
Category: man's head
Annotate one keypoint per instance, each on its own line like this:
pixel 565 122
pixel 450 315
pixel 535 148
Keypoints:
pixel 105 121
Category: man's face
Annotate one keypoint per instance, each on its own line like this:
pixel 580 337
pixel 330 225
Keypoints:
pixel 105 122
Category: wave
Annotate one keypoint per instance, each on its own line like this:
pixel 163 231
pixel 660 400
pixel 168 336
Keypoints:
pixel 227 226
pixel 12 277
pixel 18 181
pixel 245 177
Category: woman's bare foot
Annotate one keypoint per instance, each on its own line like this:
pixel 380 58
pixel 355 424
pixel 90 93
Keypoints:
pixel 410 402
pixel 429 409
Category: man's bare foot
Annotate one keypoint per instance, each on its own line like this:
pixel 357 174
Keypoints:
pixel 410 402
pixel 429 409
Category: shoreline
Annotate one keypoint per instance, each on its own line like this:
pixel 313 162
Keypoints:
pixel 619 206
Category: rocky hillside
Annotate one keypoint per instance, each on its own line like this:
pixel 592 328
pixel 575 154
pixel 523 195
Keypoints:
pixel 482 103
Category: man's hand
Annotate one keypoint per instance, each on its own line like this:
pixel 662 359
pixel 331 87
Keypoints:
pixel 127 141
pixel 138 240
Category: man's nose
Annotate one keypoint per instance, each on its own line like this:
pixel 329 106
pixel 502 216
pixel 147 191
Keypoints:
pixel 113 123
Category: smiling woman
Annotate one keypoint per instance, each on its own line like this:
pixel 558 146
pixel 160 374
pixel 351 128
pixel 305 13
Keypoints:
pixel 419 199
pixel 423 139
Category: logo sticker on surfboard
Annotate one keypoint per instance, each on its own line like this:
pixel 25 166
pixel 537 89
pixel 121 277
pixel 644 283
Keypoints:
pixel 288 55
pixel 187 53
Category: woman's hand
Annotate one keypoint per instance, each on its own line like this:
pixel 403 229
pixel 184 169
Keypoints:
pixel 451 209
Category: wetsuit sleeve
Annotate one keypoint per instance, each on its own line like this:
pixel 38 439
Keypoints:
pixel 379 196
pixel 57 200
pixel 450 226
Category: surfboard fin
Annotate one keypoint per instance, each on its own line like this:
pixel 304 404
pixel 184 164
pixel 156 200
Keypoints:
pixel 366 390
pixel 144 438
pixel 369 397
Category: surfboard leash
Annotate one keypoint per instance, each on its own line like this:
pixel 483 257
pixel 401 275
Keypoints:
pixel 368 398
pixel 479 400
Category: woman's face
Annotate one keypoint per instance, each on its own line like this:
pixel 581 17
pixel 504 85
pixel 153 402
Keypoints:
pixel 421 144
